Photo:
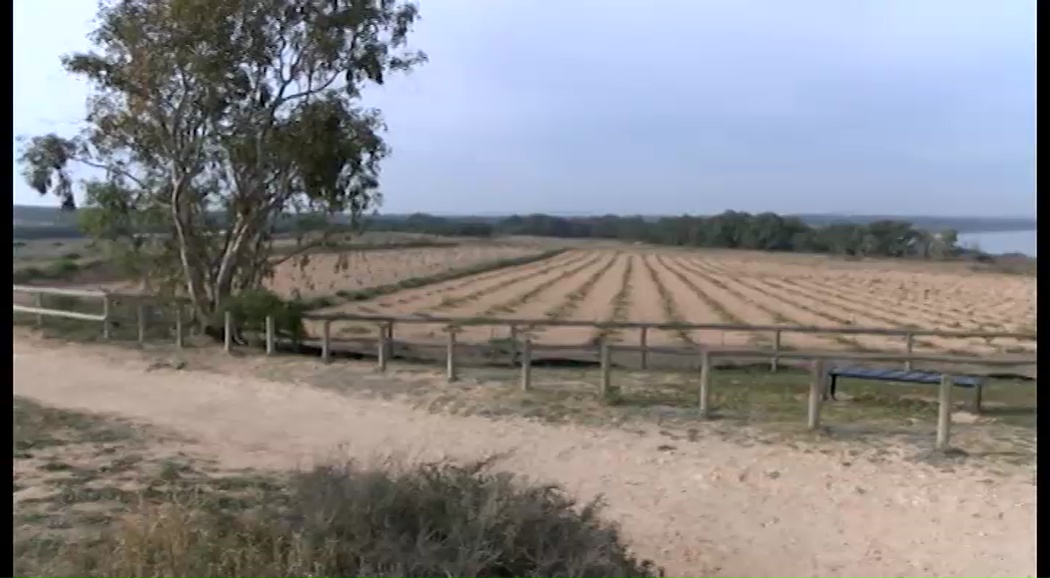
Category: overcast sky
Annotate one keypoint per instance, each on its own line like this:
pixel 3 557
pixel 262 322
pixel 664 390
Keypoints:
pixel 682 106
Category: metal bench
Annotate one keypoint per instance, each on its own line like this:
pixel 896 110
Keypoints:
pixel 928 377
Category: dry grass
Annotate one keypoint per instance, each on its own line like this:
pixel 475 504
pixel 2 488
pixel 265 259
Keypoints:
pixel 93 499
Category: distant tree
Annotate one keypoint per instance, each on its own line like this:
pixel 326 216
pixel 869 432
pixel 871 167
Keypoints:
pixel 212 120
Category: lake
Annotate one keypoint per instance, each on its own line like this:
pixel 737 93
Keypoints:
pixel 1001 242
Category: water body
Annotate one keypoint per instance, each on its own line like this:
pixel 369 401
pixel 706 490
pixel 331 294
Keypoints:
pixel 1001 242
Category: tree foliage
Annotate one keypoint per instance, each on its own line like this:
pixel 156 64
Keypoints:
pixel 730 230
pixel 211 122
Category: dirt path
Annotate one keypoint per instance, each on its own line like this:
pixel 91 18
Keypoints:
pixel 705 508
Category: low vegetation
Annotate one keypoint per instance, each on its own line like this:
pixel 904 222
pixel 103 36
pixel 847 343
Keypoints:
pixel 437 519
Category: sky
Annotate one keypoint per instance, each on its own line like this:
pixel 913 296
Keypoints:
pixel 901 107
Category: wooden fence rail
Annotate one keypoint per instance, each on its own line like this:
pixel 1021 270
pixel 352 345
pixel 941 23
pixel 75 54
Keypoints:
pixel 707 355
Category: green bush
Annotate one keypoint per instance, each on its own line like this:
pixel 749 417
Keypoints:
pixel 250 309
pixel 435 520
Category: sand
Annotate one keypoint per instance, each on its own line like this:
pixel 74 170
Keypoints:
pixel 710 508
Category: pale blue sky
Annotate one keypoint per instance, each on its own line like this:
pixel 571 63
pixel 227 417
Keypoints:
pixel 681 106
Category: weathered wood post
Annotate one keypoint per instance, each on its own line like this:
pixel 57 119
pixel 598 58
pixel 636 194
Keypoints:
pixel 643 342
pixel 978 394
pixel 910 348
pixel 526 364
pixel 178 327
pixel 450 355
pixel 606 368
pixel 142 314
pixel 390 341
pixel 269 334
pixel 105 314
pixel 816 393
pixel 944 412
pixel 227 329
pixel 326 341
pixel 383 347
pixel 513 344
pixel 39 303
pixel 774 363
pixel 705 384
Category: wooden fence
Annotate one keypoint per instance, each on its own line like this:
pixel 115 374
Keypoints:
pixel 523 348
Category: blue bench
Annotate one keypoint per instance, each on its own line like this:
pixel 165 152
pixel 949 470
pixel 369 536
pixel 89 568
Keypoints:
pixel 904 376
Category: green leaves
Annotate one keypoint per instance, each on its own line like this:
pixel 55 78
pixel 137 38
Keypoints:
pixel 247 107
pixel 45 160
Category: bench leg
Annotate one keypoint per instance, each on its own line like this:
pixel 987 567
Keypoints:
pixel 830 388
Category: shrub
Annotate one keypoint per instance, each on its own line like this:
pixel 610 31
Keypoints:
pixel 250 309
pixel 434 520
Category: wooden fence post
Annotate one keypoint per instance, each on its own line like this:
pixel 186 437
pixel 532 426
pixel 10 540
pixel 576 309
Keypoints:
pixel 816 394
pixel 178 327
pixel 705 384
pixel 269 334
pixel 450 355
pixel 526 364
pixel 382 347
pixel 513 343
pixel 326 341
pixel 142 322
pixel 105 314
pixel 774 363
pixel 910 347
pixel 944 412
pixel 227 330
pixel 606 368
pixel 643 342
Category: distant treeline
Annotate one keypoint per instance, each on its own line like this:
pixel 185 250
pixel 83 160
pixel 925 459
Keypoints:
pixel 730 230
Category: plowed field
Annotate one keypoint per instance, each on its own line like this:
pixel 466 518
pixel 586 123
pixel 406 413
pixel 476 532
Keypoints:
pixel 651 285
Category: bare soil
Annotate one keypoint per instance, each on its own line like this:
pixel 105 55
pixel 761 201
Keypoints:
pixel 708 500
pixel 754 288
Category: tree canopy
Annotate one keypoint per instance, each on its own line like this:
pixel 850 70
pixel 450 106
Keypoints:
pixel 729 230
pixel 210 122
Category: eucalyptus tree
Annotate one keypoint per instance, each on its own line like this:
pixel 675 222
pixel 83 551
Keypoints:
pixel 210 123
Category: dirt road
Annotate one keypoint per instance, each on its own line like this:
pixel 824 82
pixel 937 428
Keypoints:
pixel 706 508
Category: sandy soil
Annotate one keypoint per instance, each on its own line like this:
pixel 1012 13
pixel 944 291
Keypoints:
pixel 646 304
pixel 693 304
pixel 553 302
pixel 754 288
pixel 800 309
pixel 933 301
pixel 708 508
pixel 431 298
pixel 439 299
pixel 325 274
pixel 596 305
pixel 729 297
